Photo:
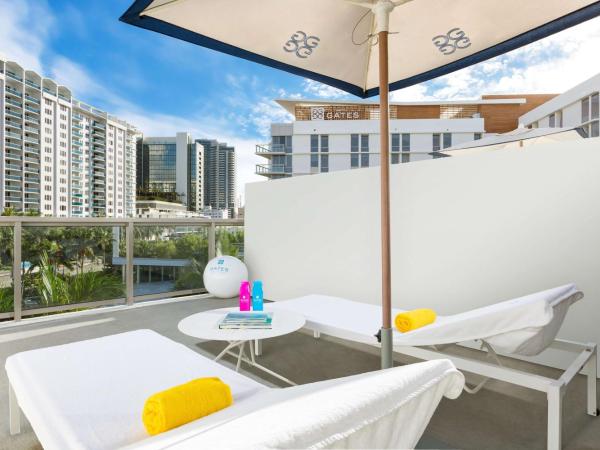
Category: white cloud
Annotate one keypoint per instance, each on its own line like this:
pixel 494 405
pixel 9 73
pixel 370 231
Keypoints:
pixel 551 65
pixel 22 38
pixel 320 90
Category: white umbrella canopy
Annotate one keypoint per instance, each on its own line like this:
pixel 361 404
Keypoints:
pixel 333 41
pixel 325 39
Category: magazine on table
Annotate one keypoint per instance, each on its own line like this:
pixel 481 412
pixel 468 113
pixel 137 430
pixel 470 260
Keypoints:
pixel 246 321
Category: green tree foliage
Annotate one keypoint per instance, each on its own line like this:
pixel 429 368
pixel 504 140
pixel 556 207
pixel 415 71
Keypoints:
pixel 6 299
pixel 57 289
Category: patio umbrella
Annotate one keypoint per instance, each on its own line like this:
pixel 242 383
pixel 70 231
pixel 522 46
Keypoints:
pixel 333 41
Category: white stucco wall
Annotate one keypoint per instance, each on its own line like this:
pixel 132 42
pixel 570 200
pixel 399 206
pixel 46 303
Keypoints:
pixel 467 232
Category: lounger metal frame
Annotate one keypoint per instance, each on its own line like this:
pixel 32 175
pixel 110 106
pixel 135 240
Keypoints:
pixel 585 358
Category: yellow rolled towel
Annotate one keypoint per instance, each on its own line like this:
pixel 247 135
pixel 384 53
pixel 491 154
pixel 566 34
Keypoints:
pixel 411 320
pixel 184 403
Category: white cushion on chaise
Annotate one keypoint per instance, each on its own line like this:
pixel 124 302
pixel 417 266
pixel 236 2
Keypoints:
pixel 523 326
pixel 89 395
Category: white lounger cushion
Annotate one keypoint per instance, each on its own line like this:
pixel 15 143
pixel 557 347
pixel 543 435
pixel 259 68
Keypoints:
pixel 89 395
pixel 523 326
pixel 382 409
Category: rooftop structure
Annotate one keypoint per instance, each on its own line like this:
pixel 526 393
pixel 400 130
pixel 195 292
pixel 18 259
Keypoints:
pixel 162 209
pixel 577 107
pixel 338 135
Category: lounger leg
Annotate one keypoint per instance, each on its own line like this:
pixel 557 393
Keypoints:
pixel 554 417
pixel 258 347
pixel 316 334
pixel 591 369
pixel 14 412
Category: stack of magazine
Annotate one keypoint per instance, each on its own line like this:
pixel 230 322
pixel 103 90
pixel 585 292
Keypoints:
pixel 246 321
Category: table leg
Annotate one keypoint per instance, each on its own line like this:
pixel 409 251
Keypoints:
pixel 241 357
pixel 239 360
pixel 226 349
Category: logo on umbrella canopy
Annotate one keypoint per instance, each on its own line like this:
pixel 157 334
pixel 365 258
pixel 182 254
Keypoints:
pixel 301 44
pixel 455 39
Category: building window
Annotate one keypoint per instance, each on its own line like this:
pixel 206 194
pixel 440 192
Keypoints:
pixel 314 150
pixel 395 148
pixel 354 151
pixel 324 149
pixel 477 136
pixel 436 142
pixel 405 147
pixel 555 119
pixel 364 150
pixel 595 129
pixel 447 140
pixel 585 109
pixel 595 100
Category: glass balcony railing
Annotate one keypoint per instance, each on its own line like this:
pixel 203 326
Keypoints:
pixel 34 100
pixel 14 76
pixel 16 115
pixel 13 102
pixel 13 146
pixel 59 264
pixel 32 109
pixel 32 84
pixel 270 169
pixel 13 124
pixel 14 91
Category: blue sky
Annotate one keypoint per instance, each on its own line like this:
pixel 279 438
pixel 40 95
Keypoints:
pixel 163 85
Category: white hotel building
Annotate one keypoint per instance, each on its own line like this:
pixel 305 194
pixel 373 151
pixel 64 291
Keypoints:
pixel 59 156
pixel 577 107
pixel 330 136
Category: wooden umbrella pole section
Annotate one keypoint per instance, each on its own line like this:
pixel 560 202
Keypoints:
pixel 386 275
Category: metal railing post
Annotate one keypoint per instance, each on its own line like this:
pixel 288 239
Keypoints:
pixel 212 241
pixel 17 287
pixel 129 258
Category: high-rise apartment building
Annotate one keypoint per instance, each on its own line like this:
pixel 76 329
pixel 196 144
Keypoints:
pixel 59 156
pixel 328 136
pixel 171 168
pixel 219 175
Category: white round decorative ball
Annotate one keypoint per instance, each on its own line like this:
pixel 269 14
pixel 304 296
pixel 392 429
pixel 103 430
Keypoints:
pixel 223 276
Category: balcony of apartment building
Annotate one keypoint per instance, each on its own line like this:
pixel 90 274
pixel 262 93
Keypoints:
pixel 462 238
pixel 13 92
pixel 12 136
pixel 32 130
pixel 32 100
pixel 17 104
pixel 13 112
pixel 11 124
pixel 29 120
pixel 272 170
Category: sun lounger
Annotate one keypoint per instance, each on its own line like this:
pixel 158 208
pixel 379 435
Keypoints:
pixel 524 326
pixel 89 395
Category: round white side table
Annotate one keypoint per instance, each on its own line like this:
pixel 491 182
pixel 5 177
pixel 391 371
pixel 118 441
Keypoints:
pixel 205 326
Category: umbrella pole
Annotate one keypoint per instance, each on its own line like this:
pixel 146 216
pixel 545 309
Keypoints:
pixel 386 275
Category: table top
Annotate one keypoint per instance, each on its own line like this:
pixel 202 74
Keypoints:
pixel 205 325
